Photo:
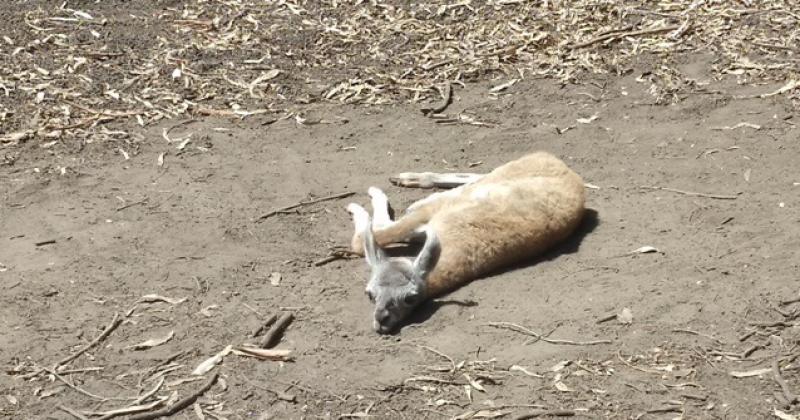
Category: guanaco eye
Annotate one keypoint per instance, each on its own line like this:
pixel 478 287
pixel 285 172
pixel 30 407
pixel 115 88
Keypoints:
pixel 411 300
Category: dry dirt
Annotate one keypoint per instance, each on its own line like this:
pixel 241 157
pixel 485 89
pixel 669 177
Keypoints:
pixel 79 245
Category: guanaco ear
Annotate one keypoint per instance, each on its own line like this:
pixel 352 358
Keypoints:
pixel 372 251
pixel 429 255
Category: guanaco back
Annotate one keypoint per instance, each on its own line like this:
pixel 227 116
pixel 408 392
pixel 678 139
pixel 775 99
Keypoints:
pixel 485 223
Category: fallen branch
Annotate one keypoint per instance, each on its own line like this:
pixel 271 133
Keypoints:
pixel 132 409
pixel 526 331
pixel 266 324
pixel 790 301
pixel 623 34
pixel 72 412
pixel 448 99
pixel 273 336
pixel 115 322
pixel 692 193
pixel 336 255
pixel 180 405
pixel 546 413
pixel 791 398
pixel 83 391
pixel 304 203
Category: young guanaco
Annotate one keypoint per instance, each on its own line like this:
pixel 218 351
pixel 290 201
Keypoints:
pixel 485 223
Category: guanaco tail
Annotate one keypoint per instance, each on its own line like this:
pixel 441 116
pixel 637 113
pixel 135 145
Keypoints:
pixel 486 222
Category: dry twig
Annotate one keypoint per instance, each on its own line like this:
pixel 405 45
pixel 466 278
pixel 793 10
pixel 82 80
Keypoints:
pixel 273 336
pixel 546 413
pixel 692 193
pixel 115 322
pixel 303 203
pixel 537 336
pixel 180 405
pixel 790 397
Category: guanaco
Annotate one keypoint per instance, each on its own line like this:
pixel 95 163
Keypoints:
pixel 484 223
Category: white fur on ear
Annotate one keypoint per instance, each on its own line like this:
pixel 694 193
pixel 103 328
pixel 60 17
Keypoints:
pixel 373 253
pixel 429 255
pixel 360 217
pixel 372 250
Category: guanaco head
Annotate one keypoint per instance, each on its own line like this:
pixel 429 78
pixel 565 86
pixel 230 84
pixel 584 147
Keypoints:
pixel 397 285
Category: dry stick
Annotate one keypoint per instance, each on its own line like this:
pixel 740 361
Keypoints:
pixel 72 412
pixel 180 405
pixel 336 255
pixel 692 193
pixel 606 318
pixel 273 336
pixel 543 413
pixel 687 331
pixel 83 391
pixel 437 352
pixel 790 301
pixel 266 324
pixel 304 203
pixel 115 322
pixel 623 34
pixel 791 398
pixel 523 330
pixel 448 99
pixel 131 409
pixel 129 205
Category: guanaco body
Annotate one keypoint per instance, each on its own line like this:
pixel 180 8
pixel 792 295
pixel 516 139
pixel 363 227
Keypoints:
pixel 485 223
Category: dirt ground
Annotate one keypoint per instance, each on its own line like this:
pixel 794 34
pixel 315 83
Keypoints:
pixel 709 181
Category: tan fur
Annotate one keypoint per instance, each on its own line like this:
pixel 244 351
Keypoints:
pixel 514 213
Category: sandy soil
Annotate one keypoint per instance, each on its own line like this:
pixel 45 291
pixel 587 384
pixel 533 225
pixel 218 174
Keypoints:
pixel 718 200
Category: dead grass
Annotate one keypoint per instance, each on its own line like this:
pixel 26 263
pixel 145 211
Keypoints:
pixel 67 73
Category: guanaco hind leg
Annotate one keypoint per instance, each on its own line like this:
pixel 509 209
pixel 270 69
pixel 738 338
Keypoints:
pixel 431 179
pixel 455 182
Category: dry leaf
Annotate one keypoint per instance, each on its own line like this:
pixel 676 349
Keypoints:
pixel 212 361
pixel 474 384
pixel 504 86
pixel 783 415
pixel 52 391
pixel 644 250
pixel 587 120
pixel 792 84
pixel 159 298
pixel 747 174
pixel 517 368
pixel 269 75
pixel 206 312
pixel 12 399
pixel 625 316
pixel 275 279
pixel 265 354
pixel 560 365
pixel 491 414
pixel 563 387
pixel 750 373
pixel 161 159
pixel 183 144
pixel 177 382
pixel 741 124
pixel 153 342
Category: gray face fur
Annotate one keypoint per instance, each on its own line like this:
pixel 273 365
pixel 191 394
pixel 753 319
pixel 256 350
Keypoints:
pixel 397 285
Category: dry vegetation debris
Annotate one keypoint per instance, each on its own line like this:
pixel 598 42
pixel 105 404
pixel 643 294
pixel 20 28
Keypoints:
pixel 66 73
